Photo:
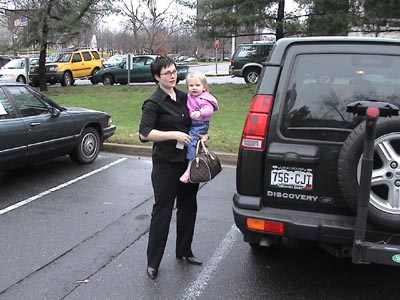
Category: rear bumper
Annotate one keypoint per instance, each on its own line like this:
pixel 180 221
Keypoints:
pixel 305 225
pixel 235 72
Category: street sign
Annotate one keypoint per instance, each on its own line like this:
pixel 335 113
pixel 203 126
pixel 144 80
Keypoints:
pixel 21 22
pixel 216 43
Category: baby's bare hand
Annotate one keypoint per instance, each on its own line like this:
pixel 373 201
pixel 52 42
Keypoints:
pixel 195 114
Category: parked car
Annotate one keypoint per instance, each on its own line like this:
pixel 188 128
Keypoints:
pixel 34 128
pixel 139 72
pixel 16 71
pixel 114 60
pixel 4 59
pixel 299 167
pixel 247 60
pixel 67 65
pixel 191 59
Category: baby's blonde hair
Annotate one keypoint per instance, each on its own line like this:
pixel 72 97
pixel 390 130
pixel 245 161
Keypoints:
pixel 198 75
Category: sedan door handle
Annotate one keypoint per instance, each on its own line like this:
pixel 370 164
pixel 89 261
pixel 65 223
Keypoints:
pixel 33 124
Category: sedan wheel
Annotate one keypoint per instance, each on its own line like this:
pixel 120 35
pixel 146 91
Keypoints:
pixel 88 147
pixel 108 80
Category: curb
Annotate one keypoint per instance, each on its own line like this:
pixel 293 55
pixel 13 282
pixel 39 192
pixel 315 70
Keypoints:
pixel 225 158
pixel 214 74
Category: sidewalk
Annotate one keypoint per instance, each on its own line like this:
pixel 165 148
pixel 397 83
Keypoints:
pixel 225 158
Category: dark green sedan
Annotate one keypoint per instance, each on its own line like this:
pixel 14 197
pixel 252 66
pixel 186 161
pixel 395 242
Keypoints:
pixel 34 128
pixel 139 71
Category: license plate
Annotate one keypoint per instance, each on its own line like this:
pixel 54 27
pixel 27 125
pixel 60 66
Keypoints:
pixel 292 179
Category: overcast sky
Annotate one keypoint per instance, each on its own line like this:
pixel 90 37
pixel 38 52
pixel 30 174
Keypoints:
pixel 114 22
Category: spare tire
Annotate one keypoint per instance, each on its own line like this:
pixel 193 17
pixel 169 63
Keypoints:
pixel 384 201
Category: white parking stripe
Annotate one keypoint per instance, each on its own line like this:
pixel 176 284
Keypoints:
pixel 196 288
pixel 56 188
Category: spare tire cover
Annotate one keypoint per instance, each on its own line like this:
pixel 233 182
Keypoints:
pixel 384 201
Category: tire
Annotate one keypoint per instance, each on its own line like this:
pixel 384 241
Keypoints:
pixel 251 75
pixel 21 79
pixel 108 79
pixel 67 79
pixel 88 147
pixel 384 205
pixel 92 80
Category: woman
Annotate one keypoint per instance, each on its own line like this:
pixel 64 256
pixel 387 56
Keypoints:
pixel 166 122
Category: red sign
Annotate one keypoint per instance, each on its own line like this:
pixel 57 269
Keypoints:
pixel 216 43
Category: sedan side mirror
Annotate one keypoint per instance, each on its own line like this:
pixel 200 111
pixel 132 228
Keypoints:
pixel 55 112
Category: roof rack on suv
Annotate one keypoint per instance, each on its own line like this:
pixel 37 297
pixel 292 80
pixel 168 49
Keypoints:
pixel 74 48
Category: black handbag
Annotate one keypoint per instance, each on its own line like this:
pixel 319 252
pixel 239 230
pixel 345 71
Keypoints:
pixel 205 166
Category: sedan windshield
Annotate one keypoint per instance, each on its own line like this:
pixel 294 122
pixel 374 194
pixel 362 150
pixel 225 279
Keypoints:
pixel 15 64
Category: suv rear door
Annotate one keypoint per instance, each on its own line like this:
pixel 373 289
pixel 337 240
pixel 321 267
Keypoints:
pixel 304 92
pixel 77 65
pixel 309 122
pixel 87 63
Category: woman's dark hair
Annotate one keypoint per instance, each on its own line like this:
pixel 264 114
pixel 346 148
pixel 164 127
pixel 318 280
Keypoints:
pixel 159 63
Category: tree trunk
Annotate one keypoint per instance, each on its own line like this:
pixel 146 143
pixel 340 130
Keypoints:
pixel 42 66
pixel 279 20
pixel 43 49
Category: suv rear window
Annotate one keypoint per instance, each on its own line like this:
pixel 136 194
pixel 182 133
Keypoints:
pixel 86 56
pixel 253 51
pixel 321 86
pixel 95 54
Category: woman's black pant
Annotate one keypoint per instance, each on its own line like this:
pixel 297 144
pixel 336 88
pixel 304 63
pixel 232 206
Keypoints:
pixel 167 188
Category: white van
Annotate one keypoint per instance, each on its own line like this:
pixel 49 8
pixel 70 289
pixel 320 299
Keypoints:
pixel 15 70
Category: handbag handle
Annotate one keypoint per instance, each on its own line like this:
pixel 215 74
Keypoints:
pixel 201 144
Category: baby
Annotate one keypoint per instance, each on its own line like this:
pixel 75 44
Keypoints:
pixel 201 105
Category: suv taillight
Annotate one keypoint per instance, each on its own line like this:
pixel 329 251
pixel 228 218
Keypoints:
pixel 232 62
pixel 256 126
pixel 266 225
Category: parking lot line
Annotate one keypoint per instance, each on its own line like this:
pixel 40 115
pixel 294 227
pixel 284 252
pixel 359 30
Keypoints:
pixel 196 288
pixel 58 187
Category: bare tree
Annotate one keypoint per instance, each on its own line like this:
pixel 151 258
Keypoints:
pixel 56 21
pixel 153 22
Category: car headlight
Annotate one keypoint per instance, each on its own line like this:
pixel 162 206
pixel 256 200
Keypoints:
pixel 109 123
pixel 52 68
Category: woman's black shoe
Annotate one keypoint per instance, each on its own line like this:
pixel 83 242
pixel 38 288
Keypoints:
pixel 152 272
pixel 191 259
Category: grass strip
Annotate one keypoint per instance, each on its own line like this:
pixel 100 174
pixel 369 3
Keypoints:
pixel 124 103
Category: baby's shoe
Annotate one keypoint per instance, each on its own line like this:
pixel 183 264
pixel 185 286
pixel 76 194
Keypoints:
pixel 185 177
